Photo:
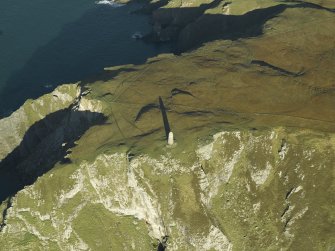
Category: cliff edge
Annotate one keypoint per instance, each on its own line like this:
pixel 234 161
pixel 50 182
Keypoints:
pixel 250 99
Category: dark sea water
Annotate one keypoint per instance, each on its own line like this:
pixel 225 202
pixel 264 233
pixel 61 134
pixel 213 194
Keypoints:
pixel 44 43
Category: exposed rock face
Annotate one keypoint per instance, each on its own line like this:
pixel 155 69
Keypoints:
pixel 42 131
pixel 263 180
pixel 261 190
pixel 13 128
pixel 245 190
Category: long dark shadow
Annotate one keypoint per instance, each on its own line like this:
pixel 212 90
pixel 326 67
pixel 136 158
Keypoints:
pixel 102 37
pixel 164 116
pixel 45 143
pixel 189 28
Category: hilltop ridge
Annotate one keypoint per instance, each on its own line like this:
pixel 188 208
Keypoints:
pixel 250 98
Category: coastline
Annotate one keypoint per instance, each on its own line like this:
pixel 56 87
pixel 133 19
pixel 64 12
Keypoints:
pixel 251 164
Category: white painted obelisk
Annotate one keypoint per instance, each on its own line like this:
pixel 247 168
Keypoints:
pixel 170 139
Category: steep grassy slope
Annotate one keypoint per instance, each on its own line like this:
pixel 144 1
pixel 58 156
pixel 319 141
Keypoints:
pixel 253 164
pixel 255 190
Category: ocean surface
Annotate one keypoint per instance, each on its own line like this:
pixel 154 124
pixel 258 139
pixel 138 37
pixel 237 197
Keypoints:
pixel 44 43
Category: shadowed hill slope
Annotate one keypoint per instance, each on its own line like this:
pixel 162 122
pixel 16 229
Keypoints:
pixel 44 144
pixel 253 163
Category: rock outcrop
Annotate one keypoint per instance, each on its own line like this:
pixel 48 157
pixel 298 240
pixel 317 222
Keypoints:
pixel 246 189
pixel 41 133
pixel 252 164
pixel 13 128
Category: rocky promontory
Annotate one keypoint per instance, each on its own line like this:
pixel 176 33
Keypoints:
pixel 250 99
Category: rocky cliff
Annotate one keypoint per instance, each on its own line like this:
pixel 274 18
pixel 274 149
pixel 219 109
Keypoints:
pixel 252 110
pixel 258 190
